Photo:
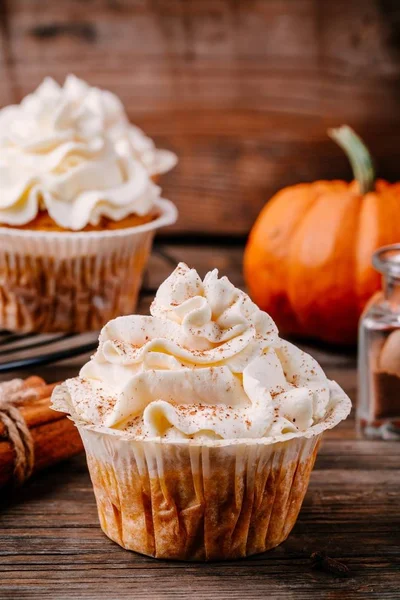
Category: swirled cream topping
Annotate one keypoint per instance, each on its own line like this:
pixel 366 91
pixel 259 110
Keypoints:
pixel 206 364
pixel 71 150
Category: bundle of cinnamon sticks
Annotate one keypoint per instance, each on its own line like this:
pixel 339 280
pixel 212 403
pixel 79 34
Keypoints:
pixel 54 436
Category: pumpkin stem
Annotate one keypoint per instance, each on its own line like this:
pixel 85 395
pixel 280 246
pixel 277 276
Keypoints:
pixel 358 155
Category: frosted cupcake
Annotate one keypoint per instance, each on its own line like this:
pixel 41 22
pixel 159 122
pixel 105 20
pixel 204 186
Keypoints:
pixel 78 208
pixel 201 426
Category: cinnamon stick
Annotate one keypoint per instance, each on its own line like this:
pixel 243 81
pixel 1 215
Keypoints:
pixel 54 436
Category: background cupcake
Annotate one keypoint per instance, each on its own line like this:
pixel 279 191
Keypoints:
pixel 201 425
pixel 78 208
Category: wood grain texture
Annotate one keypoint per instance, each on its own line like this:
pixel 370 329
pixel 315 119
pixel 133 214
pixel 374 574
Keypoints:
pixel 52 548
pixel 7 87
pixel 242 91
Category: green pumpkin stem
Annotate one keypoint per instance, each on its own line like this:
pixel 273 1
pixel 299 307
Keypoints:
pixel 358 155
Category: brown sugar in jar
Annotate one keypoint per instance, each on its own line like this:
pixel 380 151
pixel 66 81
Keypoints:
pixel 378 411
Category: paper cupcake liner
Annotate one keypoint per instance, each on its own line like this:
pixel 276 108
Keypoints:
pixel 73 281
pixel 192 500
pixel 198 502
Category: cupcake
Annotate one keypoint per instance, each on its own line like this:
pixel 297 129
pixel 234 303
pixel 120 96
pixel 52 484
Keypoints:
pixel 78 208
pixel 201 425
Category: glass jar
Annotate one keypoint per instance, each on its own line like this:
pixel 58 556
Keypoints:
pixel 378 410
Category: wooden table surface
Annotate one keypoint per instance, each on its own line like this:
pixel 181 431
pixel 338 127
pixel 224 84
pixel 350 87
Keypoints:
pixel 51 545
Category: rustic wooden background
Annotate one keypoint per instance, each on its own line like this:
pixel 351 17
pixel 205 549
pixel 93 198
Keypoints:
pixel 243 91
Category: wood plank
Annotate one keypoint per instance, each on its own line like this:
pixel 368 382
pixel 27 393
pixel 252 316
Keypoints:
pixel 348 519
pixel 227 259
pixel 300 586
pixel 7 87
pixel 242 91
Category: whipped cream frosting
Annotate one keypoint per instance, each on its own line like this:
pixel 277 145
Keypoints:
pixel 207 364
pixel 71 150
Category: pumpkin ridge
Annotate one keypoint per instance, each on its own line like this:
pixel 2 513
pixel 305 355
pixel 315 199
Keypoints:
pixel 356 248
pixel 319 188
pixel 381 217
pixel 321 286
pixel 257 271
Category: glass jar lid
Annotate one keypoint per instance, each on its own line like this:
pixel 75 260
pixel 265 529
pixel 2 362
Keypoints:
pixel 386 260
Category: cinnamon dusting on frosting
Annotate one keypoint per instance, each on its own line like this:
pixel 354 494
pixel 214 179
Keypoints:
pixel 206 364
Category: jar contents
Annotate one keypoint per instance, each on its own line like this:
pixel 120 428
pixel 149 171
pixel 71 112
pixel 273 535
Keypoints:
pixel 387 378
pixel 378 412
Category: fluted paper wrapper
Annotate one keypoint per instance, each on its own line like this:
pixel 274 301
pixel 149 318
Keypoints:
pixel 193 499
pixel 73 281
pixel 192 502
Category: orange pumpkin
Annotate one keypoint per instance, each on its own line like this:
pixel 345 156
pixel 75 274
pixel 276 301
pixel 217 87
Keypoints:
pixel 308 258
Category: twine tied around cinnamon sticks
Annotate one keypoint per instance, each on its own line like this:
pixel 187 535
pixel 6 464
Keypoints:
pixel 14 394
pixel 33 436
